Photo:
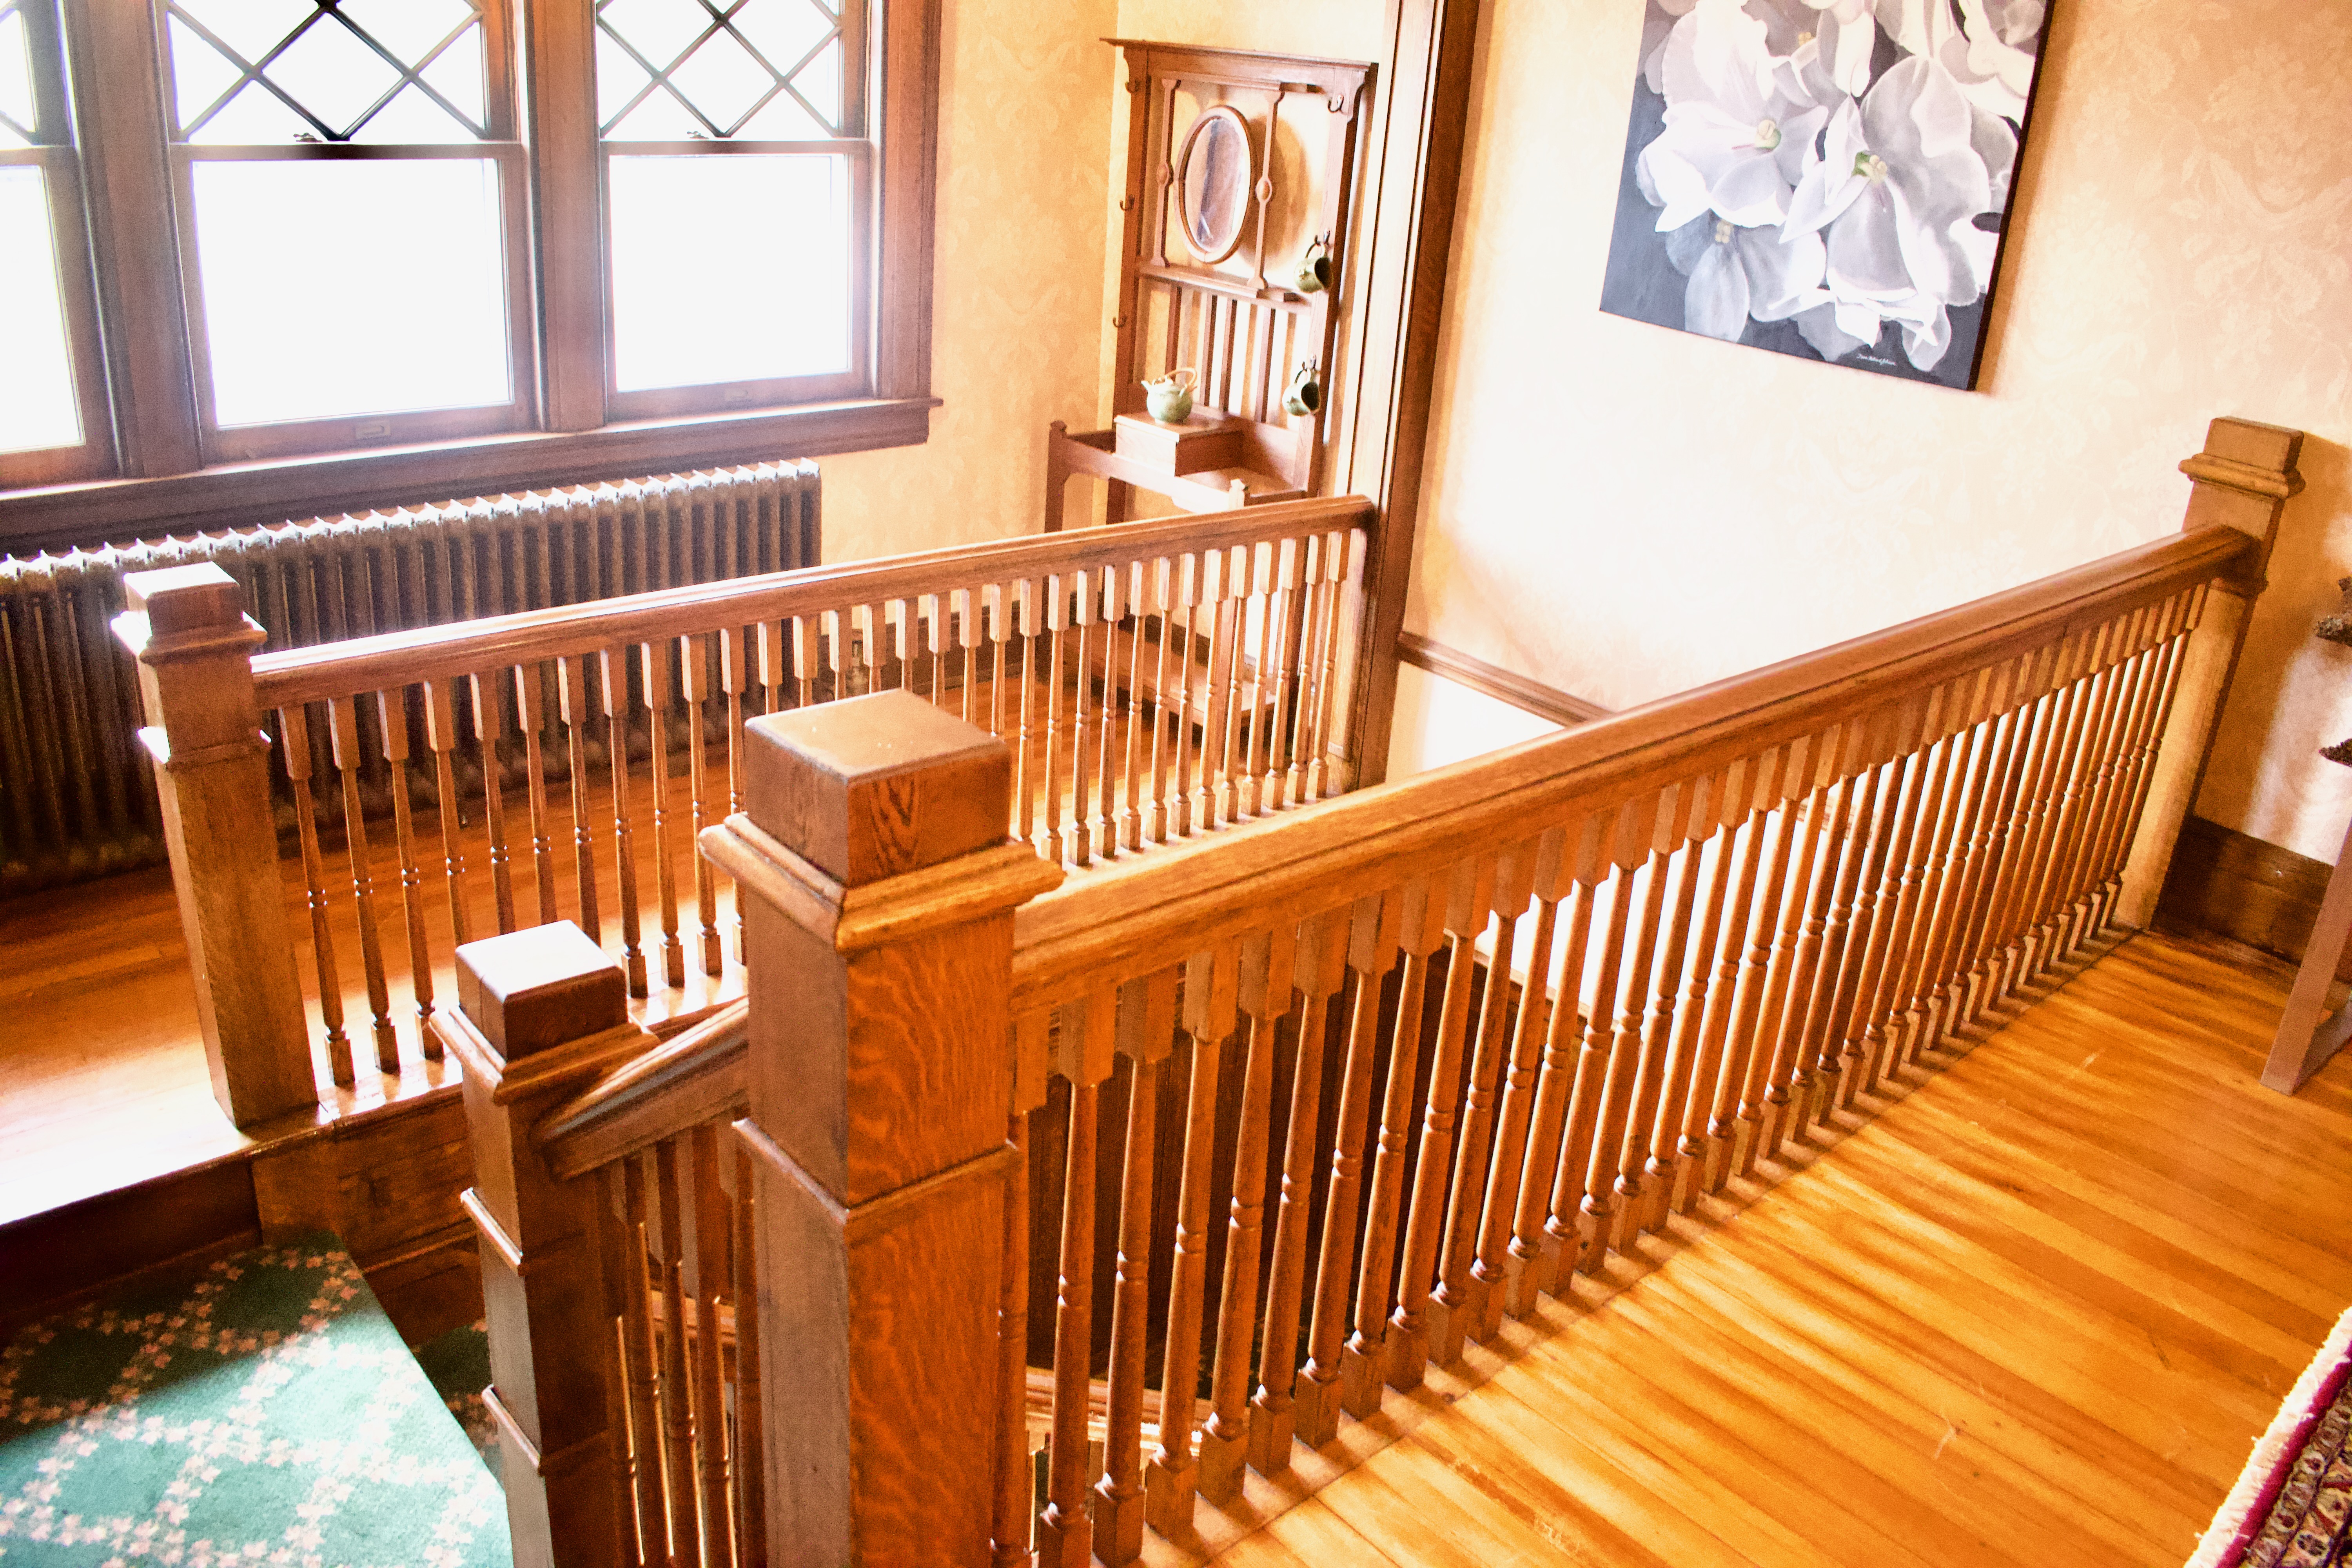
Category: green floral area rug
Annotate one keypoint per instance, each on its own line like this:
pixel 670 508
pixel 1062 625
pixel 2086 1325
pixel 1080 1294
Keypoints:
pixel 264 1411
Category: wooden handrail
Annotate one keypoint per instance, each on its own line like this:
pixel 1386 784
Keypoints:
pixel 695 1077
pixel 369 664
pixel 1125 919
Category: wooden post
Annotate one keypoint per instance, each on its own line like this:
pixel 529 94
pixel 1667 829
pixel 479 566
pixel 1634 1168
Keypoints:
pixel 2243 479
pixel 187 628
pixel 544 1012
pixel 879 887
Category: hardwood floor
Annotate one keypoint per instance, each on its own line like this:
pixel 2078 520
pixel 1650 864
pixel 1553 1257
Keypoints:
pixel 2035 1312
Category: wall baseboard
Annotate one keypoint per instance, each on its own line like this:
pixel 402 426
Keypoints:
pixel 2229 882
pixel 1493 680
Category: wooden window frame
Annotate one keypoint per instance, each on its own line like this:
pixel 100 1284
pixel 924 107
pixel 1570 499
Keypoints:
pixel 153 464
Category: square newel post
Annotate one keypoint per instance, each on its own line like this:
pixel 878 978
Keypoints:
pixel 543 1012
pixel 877 887
pixel 187 628
pixel 2242 479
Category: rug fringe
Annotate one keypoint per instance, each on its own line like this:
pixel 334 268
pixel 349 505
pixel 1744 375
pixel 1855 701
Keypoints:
pixel 2224 1540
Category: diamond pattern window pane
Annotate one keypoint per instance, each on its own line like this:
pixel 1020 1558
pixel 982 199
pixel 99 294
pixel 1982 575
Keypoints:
pixel 36 395
pixel 456 74
pixel 251 29
pixel 333 75
pixel 783 121
pixel 413 117
pixel 660 30
pixel 200 73
pixel 411 29
pixel 727 61
pixel 16 111
pixel 255 116
pixel 722 80
pixel 343 61
pixel 763 293
pixel 820 83
pixel 784 31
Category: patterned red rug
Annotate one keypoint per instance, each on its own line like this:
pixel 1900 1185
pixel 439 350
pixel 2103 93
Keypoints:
pixel 2292 1507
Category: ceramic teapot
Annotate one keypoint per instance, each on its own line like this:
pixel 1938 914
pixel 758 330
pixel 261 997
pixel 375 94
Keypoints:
pixel 1170 399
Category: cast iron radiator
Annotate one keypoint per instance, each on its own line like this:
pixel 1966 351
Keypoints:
pixel 76 799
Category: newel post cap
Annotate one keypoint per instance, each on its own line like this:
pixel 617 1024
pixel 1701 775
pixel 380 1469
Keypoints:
pixel 534 989
pixel 877 786
pixel 185 598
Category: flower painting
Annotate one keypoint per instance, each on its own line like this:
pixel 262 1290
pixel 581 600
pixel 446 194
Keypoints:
pixel 1825 178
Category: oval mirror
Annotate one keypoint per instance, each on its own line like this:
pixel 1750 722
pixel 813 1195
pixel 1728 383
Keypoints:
pixel 1212 189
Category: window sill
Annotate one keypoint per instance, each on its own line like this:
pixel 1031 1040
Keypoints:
pixel 102 511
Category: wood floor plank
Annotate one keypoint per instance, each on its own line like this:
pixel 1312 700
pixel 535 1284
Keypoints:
pixel 2032 1306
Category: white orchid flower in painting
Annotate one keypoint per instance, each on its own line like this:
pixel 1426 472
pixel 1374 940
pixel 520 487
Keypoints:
pixel 1739 122
pixel 1987 45
pixel 1658 20
pixel 1895 190
pixel 1736 273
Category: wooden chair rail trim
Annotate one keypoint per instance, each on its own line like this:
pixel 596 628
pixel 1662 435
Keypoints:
pixel 464 648
pixel 1126 918
pixel 698 1075
pixel 1523 693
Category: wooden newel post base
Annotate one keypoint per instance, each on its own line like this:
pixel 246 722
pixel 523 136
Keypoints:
pixel 877 889
pixel 545 1013
pixel 187 628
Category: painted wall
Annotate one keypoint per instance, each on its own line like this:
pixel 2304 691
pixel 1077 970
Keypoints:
pixel 1624 511
pixel 1017 300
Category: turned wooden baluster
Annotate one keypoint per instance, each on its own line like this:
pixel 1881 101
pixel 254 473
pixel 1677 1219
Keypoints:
pixel 1088 1038
pixel 1935 792
pixel 1563 1248
pixel 1692 821
pixel 1322 776
pixel 1000 606
pixel 1115 609
pixel 1322 965
pixel 1720 1071
pixel 2121 793
pixel 441 736
pixel 1786 981
pixel 1058 593
pixel 391 711
pixel 1482 1295
pixel 1029 613
pixel 1288 611
pixel 1140 599
pixel 2012 748
pixel 613 668
pixel 1514 876
pixel 1363 1363
pixel 1598 1207
pixel 1220 770
pixel 2139 786
pixel 1191 581
pixel 654 677
pixel 2072 887
pixel 750 1467
pixel 2042 918
pixel 1211 985
pixel 672 1387
pixel 1013 1508
pixel 710 1237
pixel 694 687
pixel 1313 599
pixel 2055 715
pixel 343 714
pixel 1677 1015
pixel 1940 898
pixel 931 632
pixel 2075 703
pixel 1818 860
pixel 294 724
pixel 1470 899
pixel 1375 926
pixel 1268 969
pixel 1531 1263
pixel 1852 834
pixel 530 710
pixel 1732 1135
pixel 575 684
pixel 1267 564
pixel 1878 912
pixel 1086 712
pixel 627 1253
pixel 1147 1025
pixel 966 605
pixel 490 725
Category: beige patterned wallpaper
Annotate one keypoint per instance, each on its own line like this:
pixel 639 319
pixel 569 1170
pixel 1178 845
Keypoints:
pixel 1625 512
pixel 1017 301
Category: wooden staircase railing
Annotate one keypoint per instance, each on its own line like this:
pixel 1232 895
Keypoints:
pixel 1340 1089
pixel 1154 681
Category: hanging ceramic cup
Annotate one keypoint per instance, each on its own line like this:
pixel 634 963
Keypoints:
pixel 1170 399
pixel 1314 269
pixel 1306 394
